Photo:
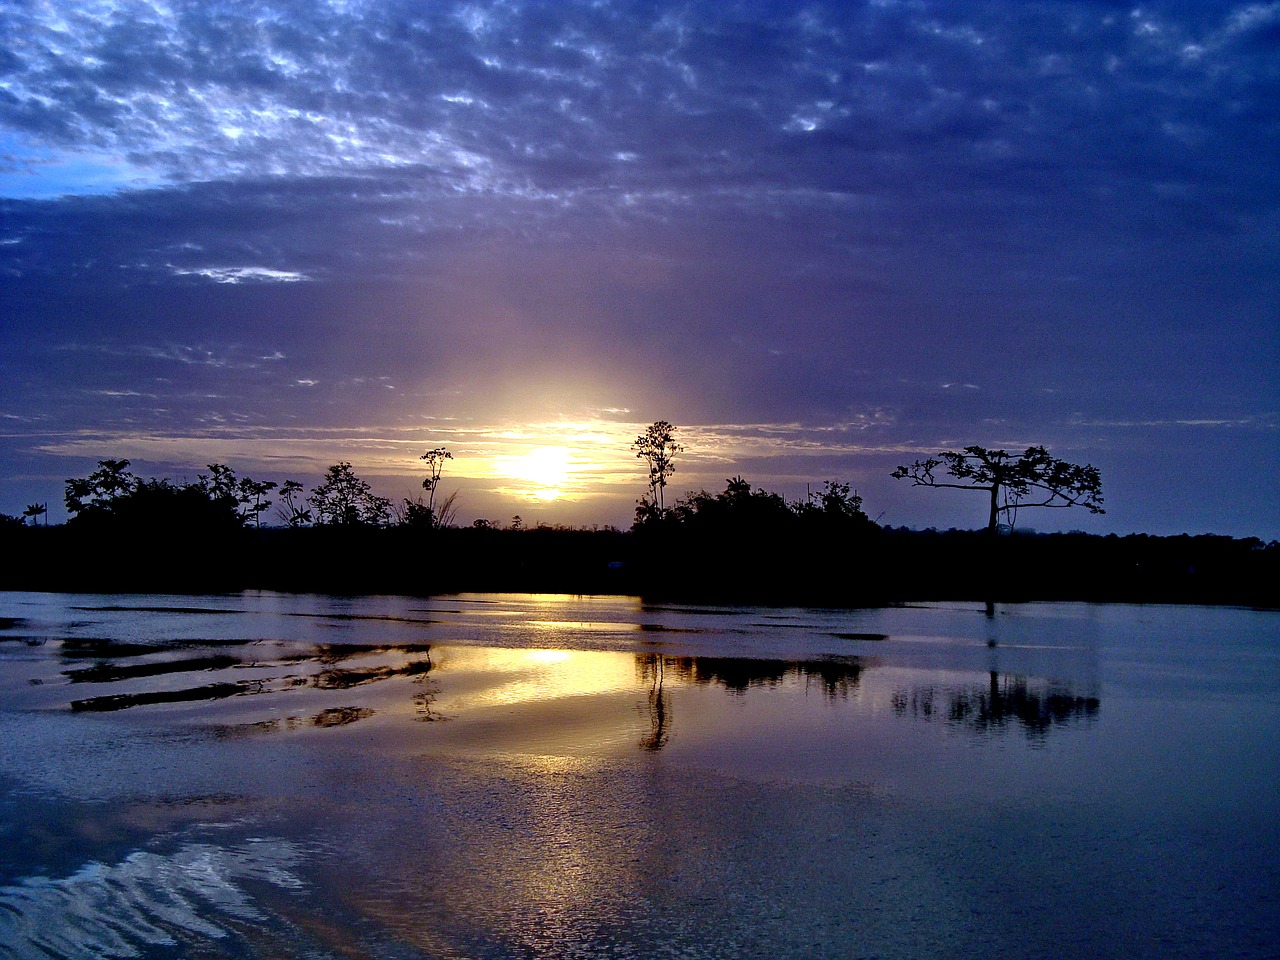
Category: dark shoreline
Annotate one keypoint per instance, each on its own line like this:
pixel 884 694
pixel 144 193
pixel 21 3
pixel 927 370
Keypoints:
pixel 884 566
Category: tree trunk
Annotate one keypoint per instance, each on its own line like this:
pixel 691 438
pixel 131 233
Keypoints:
pixel 995 508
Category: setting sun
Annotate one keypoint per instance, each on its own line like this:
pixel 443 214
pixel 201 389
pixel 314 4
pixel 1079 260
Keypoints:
pixel 545 468
pixel 560 465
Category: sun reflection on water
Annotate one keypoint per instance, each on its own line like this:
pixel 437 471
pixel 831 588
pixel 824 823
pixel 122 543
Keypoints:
pixel 486 677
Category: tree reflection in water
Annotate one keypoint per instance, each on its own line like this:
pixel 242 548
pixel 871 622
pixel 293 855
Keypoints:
pixel 178 672
pixel 1002 701
pixel 837 676
pixel 169 673
pixel 651 668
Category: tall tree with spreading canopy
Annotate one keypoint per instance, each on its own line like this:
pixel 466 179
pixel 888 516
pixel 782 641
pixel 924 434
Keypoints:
pixel 1009 479
pixel 343 499
pixel 657 446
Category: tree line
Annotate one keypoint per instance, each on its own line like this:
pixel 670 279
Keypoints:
pixel 1011 481
pixel 112 496
pixel 742 543
pixel 222 499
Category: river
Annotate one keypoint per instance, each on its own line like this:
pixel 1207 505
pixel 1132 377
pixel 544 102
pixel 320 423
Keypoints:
pixel 503 776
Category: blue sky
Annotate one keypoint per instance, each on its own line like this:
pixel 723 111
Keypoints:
pixel 822 238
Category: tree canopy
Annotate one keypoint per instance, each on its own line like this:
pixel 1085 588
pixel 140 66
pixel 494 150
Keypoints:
pixel 835 509
pixel 1012 480
pixel 658 447
pixel 113 496
pixel 343 499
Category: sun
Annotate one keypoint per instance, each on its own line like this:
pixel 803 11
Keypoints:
pixel 545 468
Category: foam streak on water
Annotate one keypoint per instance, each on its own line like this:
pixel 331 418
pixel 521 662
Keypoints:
pixel 191 896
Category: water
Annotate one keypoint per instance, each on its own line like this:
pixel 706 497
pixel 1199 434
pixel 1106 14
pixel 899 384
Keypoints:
pixel 263 775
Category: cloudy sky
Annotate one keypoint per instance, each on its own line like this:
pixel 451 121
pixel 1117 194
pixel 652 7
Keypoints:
pixel 821 238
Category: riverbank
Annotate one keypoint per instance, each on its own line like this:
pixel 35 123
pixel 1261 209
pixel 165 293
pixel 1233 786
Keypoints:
pixel 883 566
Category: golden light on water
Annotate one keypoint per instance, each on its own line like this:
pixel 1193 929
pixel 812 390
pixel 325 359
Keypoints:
pixel 548 656
pixel 551 679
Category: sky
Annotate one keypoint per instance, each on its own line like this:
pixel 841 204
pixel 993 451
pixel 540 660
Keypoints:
pixel 822 239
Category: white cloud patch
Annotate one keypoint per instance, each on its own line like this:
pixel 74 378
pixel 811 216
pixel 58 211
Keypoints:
pixel 1255 16
pixel 242 274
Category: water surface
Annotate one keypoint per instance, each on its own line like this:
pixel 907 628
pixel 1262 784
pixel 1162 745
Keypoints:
pixel 262 775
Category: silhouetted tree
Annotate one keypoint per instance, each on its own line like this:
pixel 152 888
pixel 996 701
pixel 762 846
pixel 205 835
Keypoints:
pixel 110 500
pixel 292 510
pixel 414 514
pixel 216 501
pixel 35 511
pixel 420 515
pixel 1009 478
pixel 748 544
pixel 167 509
pixel 738 509
pixel 96 492
pixel 220 483
pixel 435 466
pixel 835 510
pixel 657 446
pixel 837 499
pixel 252 493
pixel 343 499
pixel 244 495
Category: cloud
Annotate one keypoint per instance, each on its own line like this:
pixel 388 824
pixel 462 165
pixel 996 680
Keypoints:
pixel 541 103
pixel 595 454
pixel 186 354
pixel 1264 422
pixel 243 275
pixel 810 214
pixel 631 110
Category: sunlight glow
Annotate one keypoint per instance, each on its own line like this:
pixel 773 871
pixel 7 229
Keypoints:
pixel 545 469
pixel 537 676
pixel 576 470
pixel 549 656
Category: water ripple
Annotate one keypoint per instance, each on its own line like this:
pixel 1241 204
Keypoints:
pixel 147 901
